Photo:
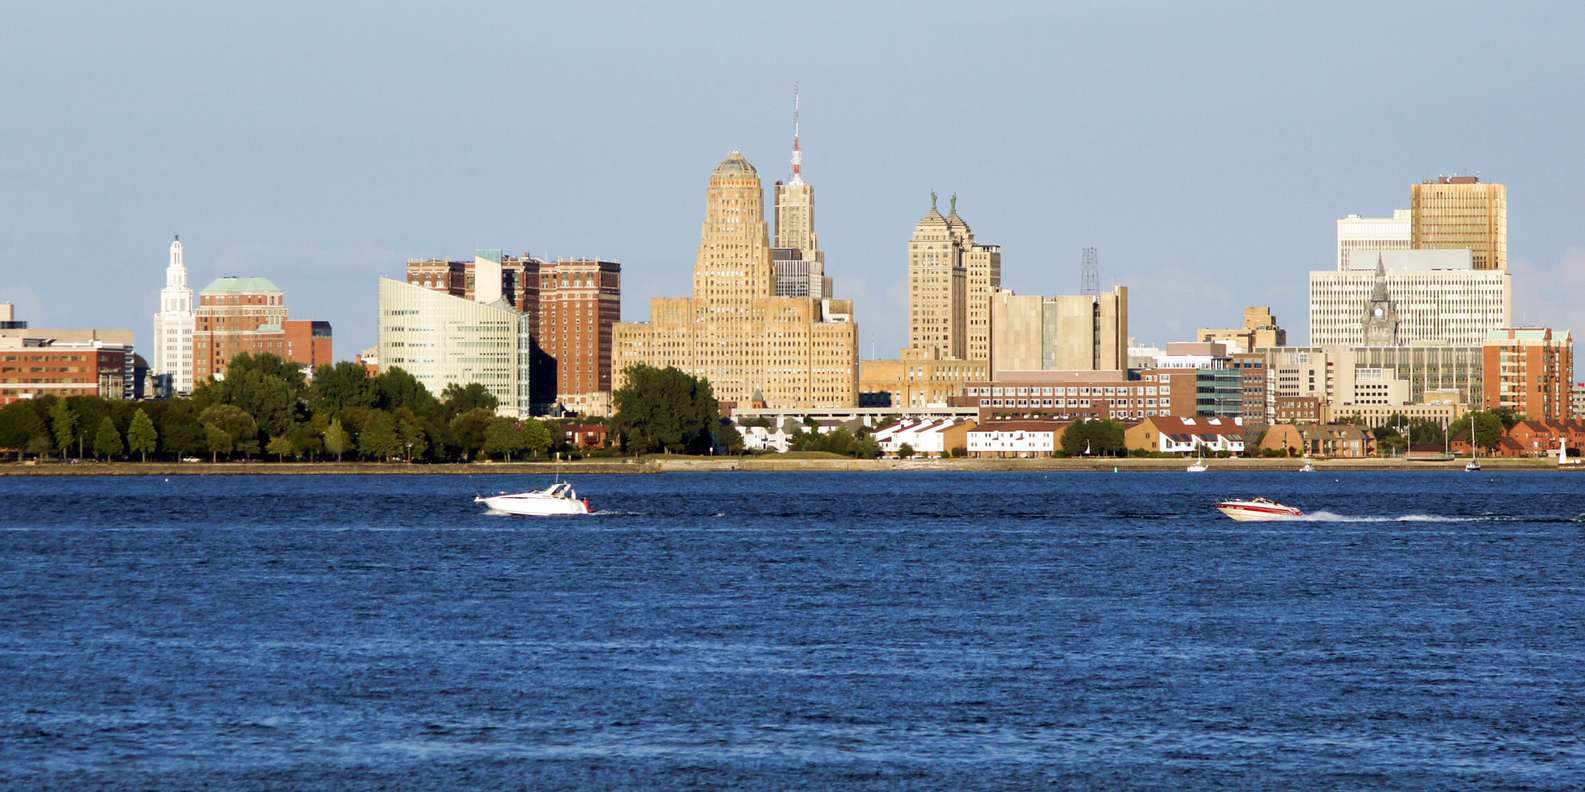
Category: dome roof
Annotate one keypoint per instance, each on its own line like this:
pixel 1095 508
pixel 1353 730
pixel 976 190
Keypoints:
pixel 735 167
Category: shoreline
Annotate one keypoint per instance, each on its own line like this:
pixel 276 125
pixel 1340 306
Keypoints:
pixel 680 464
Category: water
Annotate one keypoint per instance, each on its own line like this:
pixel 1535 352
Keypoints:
pixel 913 630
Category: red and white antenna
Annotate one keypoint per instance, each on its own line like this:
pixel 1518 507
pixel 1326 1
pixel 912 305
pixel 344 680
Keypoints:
pixel 798 155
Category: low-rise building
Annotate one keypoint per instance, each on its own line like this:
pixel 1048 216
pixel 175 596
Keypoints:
pixel 1016 439
pixel 1299 409
pixel 936 438
pixel 586 435
pixel 1342 441
pixel 919 377
pixel 34 367
pixel 1082 395
pixel 1189 436
pixel 1260 330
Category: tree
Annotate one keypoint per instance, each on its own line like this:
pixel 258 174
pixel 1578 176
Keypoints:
pixel 87 411
pixel 468 429
pixel 728 439
pixel 280 446
pixel 502 437
pixel 61 425
pixel 395 388
pixel 338 387
pixel 236 422
pixel 217 440
pixel 336 440
pixel 665 410
pixel 459 399
pixel 410 432
pixel 378 439
pixel 141 436
pixel 1102 438
pixel 905 451
pixel 1488 424
pixel 20 424
pixel 181 433
pixel 107 441
pixel 269 398
pixel 305 441
pixel 535 437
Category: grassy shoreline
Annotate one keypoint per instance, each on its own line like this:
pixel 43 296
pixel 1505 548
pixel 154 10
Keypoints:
pixel 682 464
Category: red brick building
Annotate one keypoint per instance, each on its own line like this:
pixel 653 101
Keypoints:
pixel 35 367
pixel 237 315
pixel 1072 396
pixel 579 301
pixel 1529 370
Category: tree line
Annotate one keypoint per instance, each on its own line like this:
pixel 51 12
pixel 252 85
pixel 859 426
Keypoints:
pixel 266 407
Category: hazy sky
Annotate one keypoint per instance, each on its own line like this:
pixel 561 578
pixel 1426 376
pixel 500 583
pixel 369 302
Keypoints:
pixel 1205 148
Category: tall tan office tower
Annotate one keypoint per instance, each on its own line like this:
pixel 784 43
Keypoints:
pixel 950 282
pixel 1454 212
pixel 798 261
pixel 750 344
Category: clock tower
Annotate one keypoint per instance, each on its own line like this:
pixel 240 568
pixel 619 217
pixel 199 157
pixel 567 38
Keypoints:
pixel 1381 317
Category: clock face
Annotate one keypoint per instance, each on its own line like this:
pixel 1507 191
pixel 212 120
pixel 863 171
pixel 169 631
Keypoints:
pixel 1379 312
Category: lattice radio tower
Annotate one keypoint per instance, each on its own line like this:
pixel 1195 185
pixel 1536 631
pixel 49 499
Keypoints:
pixel 1089 273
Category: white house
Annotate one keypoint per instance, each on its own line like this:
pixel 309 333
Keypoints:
pixel 1017 439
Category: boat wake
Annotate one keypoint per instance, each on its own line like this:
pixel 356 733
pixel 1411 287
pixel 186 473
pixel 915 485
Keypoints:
pixel 1326 516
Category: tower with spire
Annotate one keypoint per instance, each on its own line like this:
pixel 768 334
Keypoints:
pixel 1381 315
pixel 799 261
pixel 173 325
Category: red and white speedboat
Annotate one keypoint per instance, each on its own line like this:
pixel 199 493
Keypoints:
pixel 555 500
pixel 1258 510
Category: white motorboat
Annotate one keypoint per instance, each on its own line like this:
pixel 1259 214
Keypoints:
pixel 1472 467
pixel 1199 466
pixel 1258 510
pixel 553 501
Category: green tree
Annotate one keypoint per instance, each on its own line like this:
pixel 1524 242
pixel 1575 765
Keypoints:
pixel 280 446
pixel 728 439
pixel 236 422
pixel 181 433
pixel 459 399
pixel 217 441
pixel 665 410
pixel 502 436
pixel 88 412
pixel 378 439
pixel 410 432
pixel 19 425
pixel 468 430
pixel 395 389
pixel 336 440
pixel 1103 438
pixel 305 440
pixel 535 438
pixel 62 425
pixel 1489 428
pixel 905 451
pixel 141 436
pixel 339 387
pixel 107 441
pixel 258 389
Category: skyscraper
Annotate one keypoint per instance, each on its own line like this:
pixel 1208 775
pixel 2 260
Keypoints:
pixel 580 301
pixel 734 331
pixel 798 261
pixel 173 325
pixel 1372 233
pixel 1453 212
pixel 950 282
pixel 1436 296
pixel 446 340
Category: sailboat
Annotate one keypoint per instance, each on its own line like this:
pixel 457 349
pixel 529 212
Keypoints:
pixel 1199 465
pixel 1473 466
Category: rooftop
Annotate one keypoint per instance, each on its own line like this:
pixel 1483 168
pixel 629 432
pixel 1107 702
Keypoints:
pixel 232 284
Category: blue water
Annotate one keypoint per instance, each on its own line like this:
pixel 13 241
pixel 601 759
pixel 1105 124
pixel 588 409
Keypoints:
pixel 787 631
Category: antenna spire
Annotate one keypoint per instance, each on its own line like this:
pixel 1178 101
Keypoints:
pixel 797 154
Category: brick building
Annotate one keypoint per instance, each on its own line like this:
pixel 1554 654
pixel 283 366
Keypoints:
pixel 1072 396
pixel 579 301
pixel 1529 370
pixel 248 315
pixel 35 367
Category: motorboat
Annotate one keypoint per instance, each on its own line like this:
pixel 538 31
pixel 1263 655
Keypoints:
pixel 1258 510
pixel 1472 467
pixel 1307 468
pixel 1199 466
pixel 555 500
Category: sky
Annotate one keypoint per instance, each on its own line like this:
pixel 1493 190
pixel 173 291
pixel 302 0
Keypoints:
pixel 1205 149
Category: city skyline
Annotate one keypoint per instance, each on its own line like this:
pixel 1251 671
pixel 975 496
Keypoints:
pixel 1172 194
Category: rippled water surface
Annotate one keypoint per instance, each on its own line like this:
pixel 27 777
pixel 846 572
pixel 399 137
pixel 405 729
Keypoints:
pixel 910 630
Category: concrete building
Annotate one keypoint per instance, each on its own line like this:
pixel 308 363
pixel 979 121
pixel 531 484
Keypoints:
pixel 733 331
pixel 8 318
pixel 1070 396
pixel 514 279
pixel 1461 213
pixel 796 258
pixel 445 340
pixel 1260 330
pixel 40 366
pixel 1411 297
pixel 1373 234
pixel 1333 375
pixel 248 315
pixel 1066 333
pixel 1187 436
pixel 950 282
pixel 174 325
pixel 1529 370
pixel 1016 439
pixel 579 302
pixel 1251 367
pixel 918 378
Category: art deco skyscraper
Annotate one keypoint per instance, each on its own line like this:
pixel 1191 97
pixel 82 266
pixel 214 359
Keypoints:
pixel 950 282
pixel 733 331
pixel 797 258
pixel 1453 212
pixel 173 325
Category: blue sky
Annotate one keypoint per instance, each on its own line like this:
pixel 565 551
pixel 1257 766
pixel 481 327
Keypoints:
pixel 1205 149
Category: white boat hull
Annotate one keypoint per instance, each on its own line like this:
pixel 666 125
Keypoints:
pixel 1245 511
pixel 534 505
